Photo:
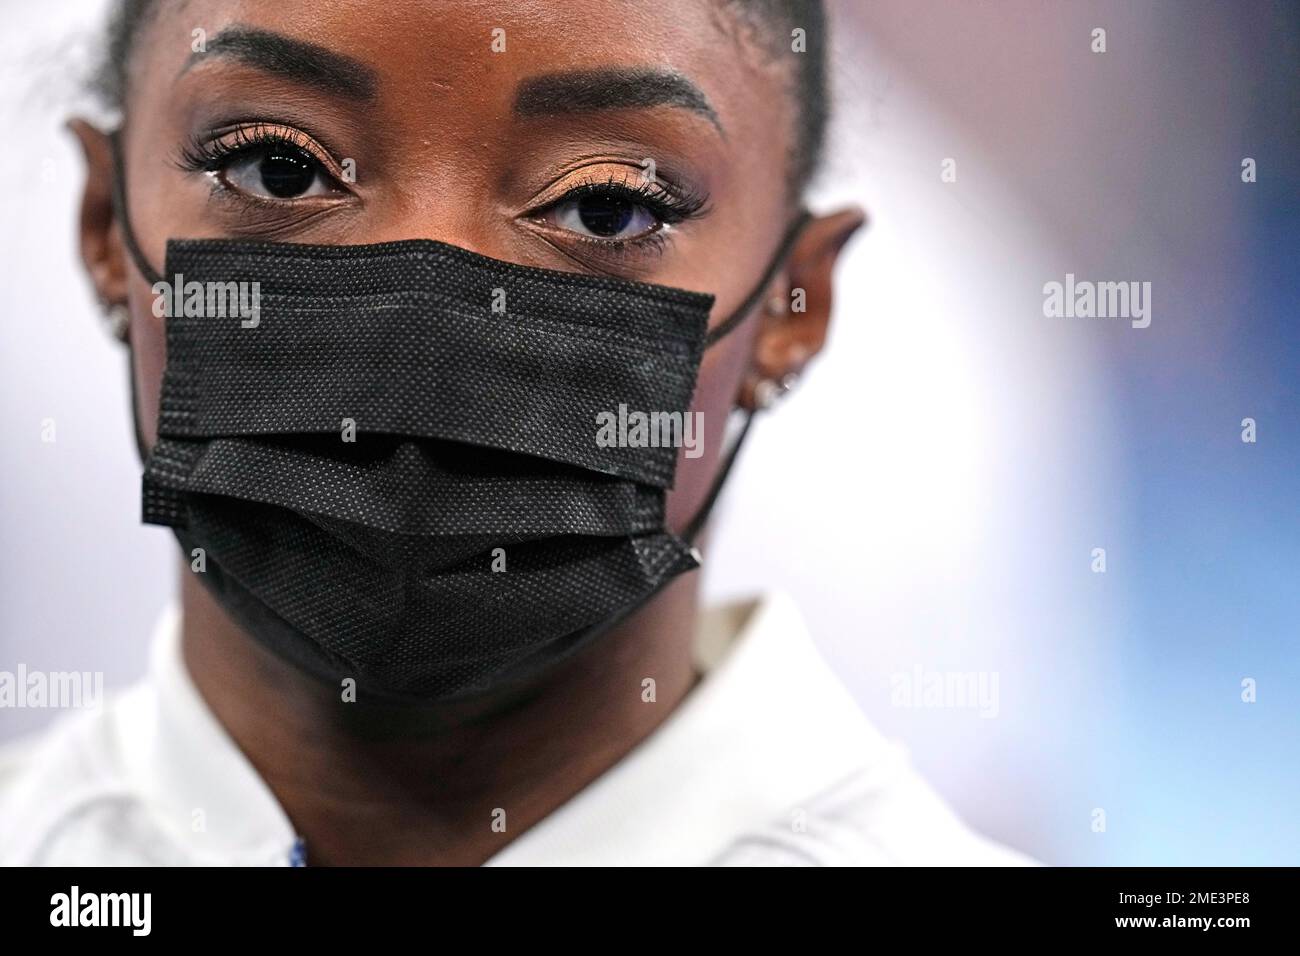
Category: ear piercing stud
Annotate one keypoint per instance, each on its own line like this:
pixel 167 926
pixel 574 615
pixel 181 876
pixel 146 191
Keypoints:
pixel 768 391
pixel 118 318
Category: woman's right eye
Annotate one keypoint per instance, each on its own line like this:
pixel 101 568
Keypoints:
pixel 277 171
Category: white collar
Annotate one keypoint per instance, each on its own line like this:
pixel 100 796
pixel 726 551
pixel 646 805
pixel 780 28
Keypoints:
pixel 211 799
pixel 767 726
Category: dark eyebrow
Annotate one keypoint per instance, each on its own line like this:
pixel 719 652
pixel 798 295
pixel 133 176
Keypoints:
pixel 613 89
pixel 293 59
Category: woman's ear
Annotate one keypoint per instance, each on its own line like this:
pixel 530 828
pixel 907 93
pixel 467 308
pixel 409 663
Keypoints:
pixel 101 245
pixel 797 312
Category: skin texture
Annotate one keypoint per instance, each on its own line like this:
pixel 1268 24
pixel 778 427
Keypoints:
pixel 440 153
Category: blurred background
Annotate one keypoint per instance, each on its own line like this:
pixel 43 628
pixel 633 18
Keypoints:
pixel 933 494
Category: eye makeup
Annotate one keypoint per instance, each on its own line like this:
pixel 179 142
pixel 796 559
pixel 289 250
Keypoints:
pixel 274 178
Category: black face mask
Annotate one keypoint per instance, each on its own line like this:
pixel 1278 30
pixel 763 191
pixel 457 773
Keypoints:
pixel 390 470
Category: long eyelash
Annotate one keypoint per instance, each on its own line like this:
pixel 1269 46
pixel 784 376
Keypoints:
pixel 668 206
pixel 209 154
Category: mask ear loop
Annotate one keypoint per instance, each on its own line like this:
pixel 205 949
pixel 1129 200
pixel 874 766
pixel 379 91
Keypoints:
pixel 723 328
pixel 774 265
pixel 141 263
pixel 696 524
pixel 120 211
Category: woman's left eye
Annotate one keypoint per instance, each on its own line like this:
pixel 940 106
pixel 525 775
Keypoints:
pixel 605 214
pixel 277 172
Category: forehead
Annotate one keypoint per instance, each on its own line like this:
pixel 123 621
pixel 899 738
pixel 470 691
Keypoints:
pixel 469 58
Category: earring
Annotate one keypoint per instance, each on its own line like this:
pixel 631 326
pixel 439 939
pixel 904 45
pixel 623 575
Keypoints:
pixel 118 318
pixel 767 391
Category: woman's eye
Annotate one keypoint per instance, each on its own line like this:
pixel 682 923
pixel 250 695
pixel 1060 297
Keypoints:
pixel 277 172
pixel 603 215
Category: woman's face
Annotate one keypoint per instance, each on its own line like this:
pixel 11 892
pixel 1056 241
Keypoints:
pixel 647 141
